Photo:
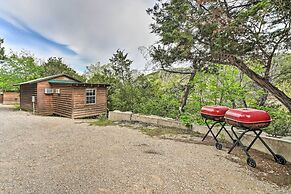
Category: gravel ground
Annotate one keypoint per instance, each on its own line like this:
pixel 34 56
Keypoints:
pixel 58 155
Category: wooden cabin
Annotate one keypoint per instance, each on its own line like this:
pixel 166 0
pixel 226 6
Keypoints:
pixel 9 97
pixel 63 95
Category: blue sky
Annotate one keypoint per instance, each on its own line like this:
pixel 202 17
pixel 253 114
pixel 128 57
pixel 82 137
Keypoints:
pixel 80 31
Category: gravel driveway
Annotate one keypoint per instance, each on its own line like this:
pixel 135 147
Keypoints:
pixel 58 155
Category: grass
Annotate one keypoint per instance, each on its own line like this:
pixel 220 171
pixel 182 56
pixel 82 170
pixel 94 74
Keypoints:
pixel 159 131
pixel 102 122
pixel 16 107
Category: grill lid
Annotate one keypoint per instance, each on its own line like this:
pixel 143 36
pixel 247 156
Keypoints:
pixel 214 110
pixel 247 115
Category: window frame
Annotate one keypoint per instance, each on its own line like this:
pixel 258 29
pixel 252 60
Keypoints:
pixel 95 95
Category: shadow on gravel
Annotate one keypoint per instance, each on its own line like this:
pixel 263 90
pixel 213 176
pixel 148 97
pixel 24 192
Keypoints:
pixel 152 152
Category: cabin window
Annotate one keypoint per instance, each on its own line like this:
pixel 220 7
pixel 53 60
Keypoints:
pixel 90 96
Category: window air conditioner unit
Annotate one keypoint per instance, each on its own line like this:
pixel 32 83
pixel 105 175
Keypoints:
pixel 57 91
pixel 48 91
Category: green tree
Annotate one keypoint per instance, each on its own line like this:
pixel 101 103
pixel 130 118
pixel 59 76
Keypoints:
pixel 100 73
pixel 120 65
pixel 55 65
pixel 281 71
pixel 118 74
pixel 176 43
pixel 18 68
pixel 227 32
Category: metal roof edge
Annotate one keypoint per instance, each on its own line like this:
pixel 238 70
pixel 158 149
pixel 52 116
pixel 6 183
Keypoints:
pixel 46 78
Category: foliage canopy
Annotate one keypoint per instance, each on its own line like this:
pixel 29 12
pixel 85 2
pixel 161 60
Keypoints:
pixel 229 32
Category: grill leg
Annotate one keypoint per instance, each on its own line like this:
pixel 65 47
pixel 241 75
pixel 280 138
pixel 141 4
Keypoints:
pixel 238 142
pixel 235 135
pixel 234 132
pixel 207 131
pixel 265 144
pixel 278 158
pixel 251 162
pixel 222 126
pixel 210 130
pixel 254 140
pixel 228 133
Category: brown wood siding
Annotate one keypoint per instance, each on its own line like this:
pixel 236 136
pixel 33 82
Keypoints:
pixel 62 103
pixel 44 101
pixel 10 98
pixel 81 109
pixel 26 93
pixel 71 102
pixel 1 98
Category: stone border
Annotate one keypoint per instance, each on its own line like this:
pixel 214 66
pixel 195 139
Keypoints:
pixel 150 119
pixel 279 145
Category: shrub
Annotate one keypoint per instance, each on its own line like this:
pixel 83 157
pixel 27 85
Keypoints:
pixel 102 121
pixel 281 125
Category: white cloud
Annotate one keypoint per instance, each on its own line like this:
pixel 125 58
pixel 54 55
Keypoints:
pixel 95 29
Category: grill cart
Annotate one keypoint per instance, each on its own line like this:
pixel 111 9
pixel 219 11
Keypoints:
pixel 250 120
pixel 215 113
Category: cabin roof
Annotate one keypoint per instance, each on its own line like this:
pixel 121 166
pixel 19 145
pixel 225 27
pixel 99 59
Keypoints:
pixel 73 81
pixel 55 81
pixel 48 78
pixel 77 84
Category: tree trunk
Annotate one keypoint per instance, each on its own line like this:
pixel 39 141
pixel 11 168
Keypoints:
pixel 264 83
pixel 186 93
pixel 233 104
pixel 263 98
pixel 245 103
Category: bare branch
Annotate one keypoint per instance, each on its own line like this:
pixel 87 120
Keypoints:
pixel 176 71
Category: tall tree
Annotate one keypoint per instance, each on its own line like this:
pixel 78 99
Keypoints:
pixel 55 65
pixel 176 43
pixel 122 93
pixel 120 66
pixel 18 68
pixel 100 73
pixel 227 32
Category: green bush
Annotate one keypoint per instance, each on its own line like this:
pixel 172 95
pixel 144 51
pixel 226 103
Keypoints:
pixel 281 124
pixel 189 118
pixel 186 119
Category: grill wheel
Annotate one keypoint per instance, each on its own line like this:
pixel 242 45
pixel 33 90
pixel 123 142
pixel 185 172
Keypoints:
pixel 280 159
pixel 251 162
pixel 218 146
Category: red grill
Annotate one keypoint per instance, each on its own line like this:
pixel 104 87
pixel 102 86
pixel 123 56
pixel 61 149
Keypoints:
pixel 248 118
pixel 215 113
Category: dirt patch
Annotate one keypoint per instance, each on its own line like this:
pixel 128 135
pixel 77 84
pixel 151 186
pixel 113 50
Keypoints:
pixel 267 169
